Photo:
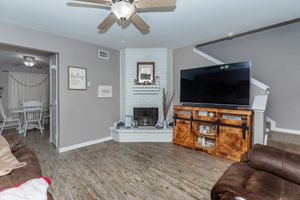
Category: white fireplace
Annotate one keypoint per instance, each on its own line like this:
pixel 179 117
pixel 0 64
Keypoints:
pixel 147 96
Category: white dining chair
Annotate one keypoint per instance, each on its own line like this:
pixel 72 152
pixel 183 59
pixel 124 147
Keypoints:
pixel 5 119
pixel 33 111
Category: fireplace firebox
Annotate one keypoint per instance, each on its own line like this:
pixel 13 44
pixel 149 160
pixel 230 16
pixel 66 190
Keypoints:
pixel 145 116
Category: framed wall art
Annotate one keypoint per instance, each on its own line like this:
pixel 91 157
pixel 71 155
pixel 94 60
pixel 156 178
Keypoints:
pixel 77 78
pixel 104 91
pixel 145 73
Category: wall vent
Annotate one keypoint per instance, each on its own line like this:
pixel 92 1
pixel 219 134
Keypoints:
pixel 103 54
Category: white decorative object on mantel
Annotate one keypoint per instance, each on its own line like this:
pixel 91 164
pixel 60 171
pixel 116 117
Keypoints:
pixel 104 91
pixel 146 89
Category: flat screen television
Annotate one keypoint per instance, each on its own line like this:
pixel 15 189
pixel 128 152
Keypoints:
pixel 227 84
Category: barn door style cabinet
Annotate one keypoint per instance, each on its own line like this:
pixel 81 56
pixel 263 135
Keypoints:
pixel 222 132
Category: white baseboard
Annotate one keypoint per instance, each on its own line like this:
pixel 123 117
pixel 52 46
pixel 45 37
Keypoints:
pixel 283 130
pixel 84 144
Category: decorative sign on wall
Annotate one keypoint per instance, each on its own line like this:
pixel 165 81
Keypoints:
pixel 77 78
pixel 104 91
pixel 145 73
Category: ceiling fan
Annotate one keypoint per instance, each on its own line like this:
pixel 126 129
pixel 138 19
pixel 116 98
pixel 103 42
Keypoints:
pixel 127 10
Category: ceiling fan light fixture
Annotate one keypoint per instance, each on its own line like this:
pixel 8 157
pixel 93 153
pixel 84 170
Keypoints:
pixel 29 61
pixel 123 10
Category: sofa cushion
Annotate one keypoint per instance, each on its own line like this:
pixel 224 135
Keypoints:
pixel 266 186
pixel 275 161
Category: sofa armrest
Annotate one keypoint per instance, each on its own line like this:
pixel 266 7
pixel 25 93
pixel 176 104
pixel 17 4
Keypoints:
pixel 13 141
pixel 275 161
pixel 233 181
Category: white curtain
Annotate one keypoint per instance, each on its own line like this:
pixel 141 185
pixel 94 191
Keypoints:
pixel 27 87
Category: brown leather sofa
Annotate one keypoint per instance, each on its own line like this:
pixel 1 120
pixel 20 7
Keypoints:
pixel 30 171
pixel 264 173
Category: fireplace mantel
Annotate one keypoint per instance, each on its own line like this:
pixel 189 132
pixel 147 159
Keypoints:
pixel 142 135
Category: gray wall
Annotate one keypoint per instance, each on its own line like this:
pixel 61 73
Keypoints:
pixel 4 68
pixel 275 62
pixel 184 58
pixel 83 117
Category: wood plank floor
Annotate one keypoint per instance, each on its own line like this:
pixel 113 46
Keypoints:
pixel 127 171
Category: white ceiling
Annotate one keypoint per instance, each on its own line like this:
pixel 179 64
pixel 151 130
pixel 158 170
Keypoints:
pixel 13 56
pixel 192 22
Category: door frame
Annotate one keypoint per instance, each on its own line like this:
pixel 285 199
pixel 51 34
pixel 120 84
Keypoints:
pixel 56 144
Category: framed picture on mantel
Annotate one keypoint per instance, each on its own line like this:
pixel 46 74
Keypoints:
pixel 145 73
pixel 77 78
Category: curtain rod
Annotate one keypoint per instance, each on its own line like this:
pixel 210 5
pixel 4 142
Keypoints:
pixel 250 32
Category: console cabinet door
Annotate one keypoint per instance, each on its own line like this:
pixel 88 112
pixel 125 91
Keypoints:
pixel 230 142
pixel 183 134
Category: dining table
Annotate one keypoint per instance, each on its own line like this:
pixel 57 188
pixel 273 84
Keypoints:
pixel 20 113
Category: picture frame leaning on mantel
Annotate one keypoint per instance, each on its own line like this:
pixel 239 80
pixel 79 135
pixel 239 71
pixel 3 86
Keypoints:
pixel 145 73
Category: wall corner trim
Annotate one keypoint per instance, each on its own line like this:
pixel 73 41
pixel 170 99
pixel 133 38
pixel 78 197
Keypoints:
pixel 282 130
pixel 84 144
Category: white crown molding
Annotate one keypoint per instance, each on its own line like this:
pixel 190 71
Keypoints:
pixel 84 144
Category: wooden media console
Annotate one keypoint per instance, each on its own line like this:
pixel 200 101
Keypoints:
pixel 222 132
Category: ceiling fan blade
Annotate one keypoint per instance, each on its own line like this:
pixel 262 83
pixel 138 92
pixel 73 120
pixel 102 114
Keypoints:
pixel 88 5
pixel 101 2
pixel 149 4
pixel 107 23
pixel 140 23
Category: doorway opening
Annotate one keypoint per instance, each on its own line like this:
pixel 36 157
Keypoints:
pixel 29 77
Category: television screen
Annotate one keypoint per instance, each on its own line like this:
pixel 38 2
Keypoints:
pixel 227 84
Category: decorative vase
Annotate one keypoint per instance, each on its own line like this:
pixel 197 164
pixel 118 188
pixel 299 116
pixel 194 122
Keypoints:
pixel 165 124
